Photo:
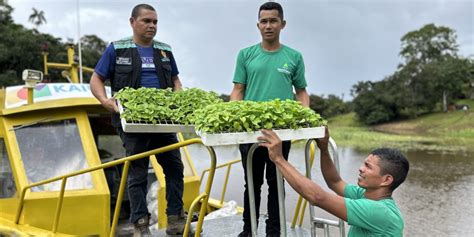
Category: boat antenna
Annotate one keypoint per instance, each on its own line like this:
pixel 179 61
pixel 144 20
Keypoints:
pixel 79 41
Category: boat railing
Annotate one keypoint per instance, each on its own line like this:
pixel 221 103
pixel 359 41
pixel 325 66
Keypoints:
pixel 299 212
pixel 228 165
pixel 316 222
pixel 71 66
pixel 203 197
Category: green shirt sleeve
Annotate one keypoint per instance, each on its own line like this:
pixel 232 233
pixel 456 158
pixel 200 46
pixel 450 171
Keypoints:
pixel 240 74
pixel 299 80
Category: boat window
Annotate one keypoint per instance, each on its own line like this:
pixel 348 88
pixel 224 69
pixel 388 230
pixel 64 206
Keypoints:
pixel 51 149
pixel 110 146
pixel 7 183
pixel 108 142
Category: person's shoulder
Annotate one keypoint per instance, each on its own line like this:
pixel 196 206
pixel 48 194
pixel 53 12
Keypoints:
pixel 387 210
pixel 126 42
pixel 250 50
pixel 353 191
pixel 390 204
pixel 161 45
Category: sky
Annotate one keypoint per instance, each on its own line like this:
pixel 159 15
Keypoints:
pixel 342 41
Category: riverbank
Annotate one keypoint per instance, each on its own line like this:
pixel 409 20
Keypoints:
pixel 451 132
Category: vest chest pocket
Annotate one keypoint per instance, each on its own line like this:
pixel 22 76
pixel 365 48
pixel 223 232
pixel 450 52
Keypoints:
pixel 123 76
pixel 123 68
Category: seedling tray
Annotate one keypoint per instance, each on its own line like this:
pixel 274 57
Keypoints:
pixel 145 127
pixel 220 139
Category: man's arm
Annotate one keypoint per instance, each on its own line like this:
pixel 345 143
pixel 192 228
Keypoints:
pixel 98 90
pixel 310 191
pixel 330 174
pixel 237 92
pixel 177 83
pixel 302 96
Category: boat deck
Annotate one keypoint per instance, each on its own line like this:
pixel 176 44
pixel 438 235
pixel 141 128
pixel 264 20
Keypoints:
pixel 223 226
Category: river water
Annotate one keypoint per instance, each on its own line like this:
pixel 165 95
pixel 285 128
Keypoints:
pixel 437 199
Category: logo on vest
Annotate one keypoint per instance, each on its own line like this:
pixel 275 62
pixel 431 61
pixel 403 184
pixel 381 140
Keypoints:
pixel 165 57
pixel 123 61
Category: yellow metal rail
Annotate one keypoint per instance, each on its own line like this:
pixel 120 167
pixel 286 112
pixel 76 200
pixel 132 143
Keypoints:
pixel 123 180
pixel 186 154
pixel 205 199
pixel 300 199
pixel 224 188
pixel 71 65
pixel 204 196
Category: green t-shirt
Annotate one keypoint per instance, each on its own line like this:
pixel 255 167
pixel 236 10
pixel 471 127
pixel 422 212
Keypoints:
pixel 269 75
pixel 371 218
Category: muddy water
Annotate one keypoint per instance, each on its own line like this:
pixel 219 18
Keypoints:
pixel 437 199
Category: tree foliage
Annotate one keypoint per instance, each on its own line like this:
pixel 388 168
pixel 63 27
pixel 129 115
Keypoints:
pixel 21 48
pixel 430 70
pixel 429 43
pixel 92 47
pixel 330 106
pixel 5 13
pixel 37 18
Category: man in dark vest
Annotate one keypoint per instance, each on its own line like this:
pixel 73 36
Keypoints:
pixel 140 61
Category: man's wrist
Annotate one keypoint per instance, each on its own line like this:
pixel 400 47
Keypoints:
pixel 278 158
pixel 103 100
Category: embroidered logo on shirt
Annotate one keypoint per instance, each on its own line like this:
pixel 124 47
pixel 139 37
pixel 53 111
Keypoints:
pixel 123 61
pixel 284 69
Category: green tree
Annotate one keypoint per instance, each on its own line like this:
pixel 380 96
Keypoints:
pixel 330 106
pixel 5 13
pixel 428 44
pixel 453 74
pixel 429 54
pixel 374 102
pixel 432 74
pixel 93 43
pixel 37 18
pixel 92 48
pixel 20 48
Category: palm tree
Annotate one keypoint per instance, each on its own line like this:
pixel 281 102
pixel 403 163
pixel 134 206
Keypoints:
pixel 37 18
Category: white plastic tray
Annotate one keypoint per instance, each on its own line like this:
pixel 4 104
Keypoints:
pixel 142 127
pixel 220 139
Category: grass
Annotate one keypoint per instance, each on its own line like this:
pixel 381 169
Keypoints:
pixel 445 132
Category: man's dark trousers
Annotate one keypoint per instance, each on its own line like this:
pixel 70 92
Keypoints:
pixel 171 163
pixel 260 159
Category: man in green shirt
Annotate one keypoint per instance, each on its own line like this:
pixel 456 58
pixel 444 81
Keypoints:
pixel 266 71
pixel 368 208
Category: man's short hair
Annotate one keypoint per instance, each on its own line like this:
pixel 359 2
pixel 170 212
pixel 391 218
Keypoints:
pixel 271 6
pixel 136 10
pixel 394 163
